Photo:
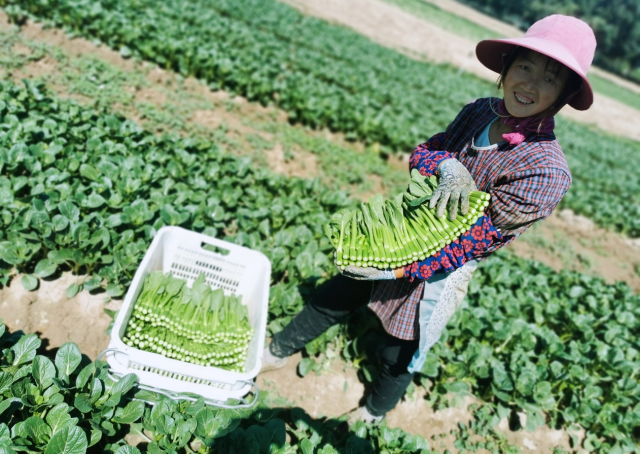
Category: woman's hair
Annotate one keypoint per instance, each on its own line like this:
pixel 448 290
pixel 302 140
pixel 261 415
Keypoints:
pixel 572 86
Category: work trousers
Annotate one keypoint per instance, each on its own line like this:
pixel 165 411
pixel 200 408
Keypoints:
pixel 334 300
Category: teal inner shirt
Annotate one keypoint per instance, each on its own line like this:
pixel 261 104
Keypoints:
pixel 483 138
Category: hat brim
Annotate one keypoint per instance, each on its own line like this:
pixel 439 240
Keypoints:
pixel 490 52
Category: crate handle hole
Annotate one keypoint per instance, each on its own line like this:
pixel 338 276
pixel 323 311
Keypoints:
pixel 216 249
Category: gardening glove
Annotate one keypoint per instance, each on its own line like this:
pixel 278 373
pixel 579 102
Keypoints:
pixel 455 184
pixel 367 274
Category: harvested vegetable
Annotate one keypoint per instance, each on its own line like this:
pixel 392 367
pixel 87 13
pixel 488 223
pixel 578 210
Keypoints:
pixel 397 232
pixel 194 324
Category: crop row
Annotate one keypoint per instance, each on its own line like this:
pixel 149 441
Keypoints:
pixel 86 191
pixel 328 76
pixel 71 406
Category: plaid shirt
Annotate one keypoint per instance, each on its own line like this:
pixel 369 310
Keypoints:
pixel 526 183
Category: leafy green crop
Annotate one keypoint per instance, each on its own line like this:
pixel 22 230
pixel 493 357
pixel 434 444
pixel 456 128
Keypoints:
pixel 328 76
pixel 70 406
pixel 193 324
pixel 397 232
pixel 98 188
pixel 63 406
pixel 323 75
pixel 562 347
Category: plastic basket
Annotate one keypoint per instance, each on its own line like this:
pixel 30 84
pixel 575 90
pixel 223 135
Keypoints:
pixel 235 269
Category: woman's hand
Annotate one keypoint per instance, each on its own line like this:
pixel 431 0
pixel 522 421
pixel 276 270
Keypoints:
pixel 455 184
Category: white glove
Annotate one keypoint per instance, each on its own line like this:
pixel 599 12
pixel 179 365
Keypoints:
pixel 367 274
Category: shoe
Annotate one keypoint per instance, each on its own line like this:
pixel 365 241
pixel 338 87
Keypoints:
pixel 362 414
pixel 271 362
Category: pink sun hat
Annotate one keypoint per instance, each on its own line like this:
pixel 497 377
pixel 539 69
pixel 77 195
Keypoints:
pixel 566 39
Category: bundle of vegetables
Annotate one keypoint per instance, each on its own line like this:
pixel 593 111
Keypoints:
pixel 397 232
pixel 197 325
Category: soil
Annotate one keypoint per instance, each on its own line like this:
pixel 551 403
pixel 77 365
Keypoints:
pixel 562 241
pixel 56 318
pixel 391 26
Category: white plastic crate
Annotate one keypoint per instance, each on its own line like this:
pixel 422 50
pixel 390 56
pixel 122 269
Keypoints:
pixel 235 269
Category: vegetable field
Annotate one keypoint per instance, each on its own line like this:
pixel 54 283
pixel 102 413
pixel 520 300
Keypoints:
pixel 84 190
pixel 327 76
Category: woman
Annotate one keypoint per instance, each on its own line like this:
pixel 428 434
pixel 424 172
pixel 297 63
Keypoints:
pixel 505 147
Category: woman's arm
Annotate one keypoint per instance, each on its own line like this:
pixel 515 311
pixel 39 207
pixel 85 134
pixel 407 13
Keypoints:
pixel 428 156
pixel 517 202
pixel 523 197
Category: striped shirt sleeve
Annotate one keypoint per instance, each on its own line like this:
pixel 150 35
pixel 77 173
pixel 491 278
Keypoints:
pixel 428 156
pixel 526 196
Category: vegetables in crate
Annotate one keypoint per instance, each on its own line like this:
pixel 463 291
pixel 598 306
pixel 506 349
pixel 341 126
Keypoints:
pixel 197 325
pixel 397 232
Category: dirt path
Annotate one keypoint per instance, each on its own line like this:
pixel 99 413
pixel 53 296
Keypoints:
pixel 391 26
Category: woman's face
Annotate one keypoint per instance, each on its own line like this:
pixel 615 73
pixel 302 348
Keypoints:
pixel 533 83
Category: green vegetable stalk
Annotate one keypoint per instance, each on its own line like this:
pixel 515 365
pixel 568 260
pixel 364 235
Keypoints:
pixel 393 233
pixel 197 325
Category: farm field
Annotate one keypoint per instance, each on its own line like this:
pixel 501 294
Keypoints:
pixel 351 90
pixel 156 99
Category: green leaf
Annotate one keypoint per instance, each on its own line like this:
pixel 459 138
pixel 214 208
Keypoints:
pixel 306 446
pixel 69 211
pixel 37 429
pixel 115 290
pixel 25 349
pixel 59 222
pixel 67 359
pixel 96 436
pixel 5 434
pixel 45 268
pixel 29 282
pixel 214 424
pixel 525 382
pixel 127 450
pixel 96 390
pixel 129 414
pixel 84 375
pixel 89 172
pixel 95 200
pixel 123 385
pixel 73 290
pixel 43 372
pixel 58 418
pixel 82 403
pixel 165 425
pixel 305 366
pixel 69 440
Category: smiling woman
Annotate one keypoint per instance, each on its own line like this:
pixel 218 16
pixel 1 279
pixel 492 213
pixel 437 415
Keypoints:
pixel 504 147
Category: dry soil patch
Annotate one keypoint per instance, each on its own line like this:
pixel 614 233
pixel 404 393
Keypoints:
pixel 56 318
pixel 568 241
